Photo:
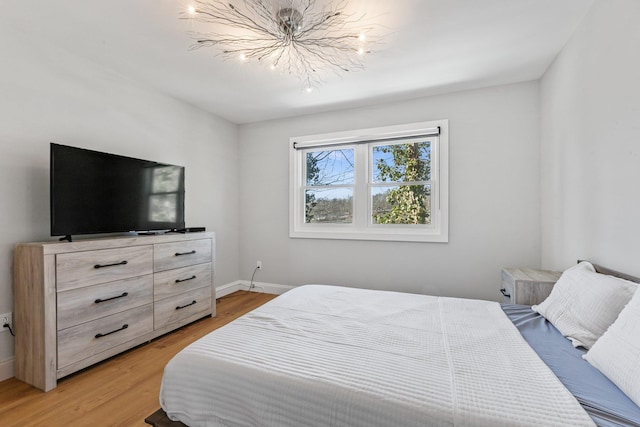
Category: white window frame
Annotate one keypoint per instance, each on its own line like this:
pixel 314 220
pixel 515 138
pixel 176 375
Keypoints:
pixel 362 228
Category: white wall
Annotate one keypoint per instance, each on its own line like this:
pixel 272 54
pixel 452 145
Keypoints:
pixel 494 193
pixel 47 95
pixel 590 103
pixel 585 171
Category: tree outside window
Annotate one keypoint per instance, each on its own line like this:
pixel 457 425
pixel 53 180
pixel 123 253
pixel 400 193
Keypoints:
pixel 408 168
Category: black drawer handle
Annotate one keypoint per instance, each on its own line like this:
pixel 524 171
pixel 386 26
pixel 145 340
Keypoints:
pixel 504 292
pixel 185 253
pixel 99 300
pixel 180 307
pixel 110 265
pixel 125 326
pixel 185 280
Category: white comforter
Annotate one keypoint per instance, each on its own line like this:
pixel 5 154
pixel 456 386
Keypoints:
pixel 334 356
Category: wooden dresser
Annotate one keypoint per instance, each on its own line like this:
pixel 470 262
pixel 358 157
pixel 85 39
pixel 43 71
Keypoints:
pixel 527 286
pixel 77 303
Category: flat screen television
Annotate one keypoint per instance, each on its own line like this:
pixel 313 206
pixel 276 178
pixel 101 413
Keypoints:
pixel 94 192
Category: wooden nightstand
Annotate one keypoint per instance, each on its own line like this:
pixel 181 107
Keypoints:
pixel 527 286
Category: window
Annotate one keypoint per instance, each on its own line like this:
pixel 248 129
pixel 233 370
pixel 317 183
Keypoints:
pixel 388 183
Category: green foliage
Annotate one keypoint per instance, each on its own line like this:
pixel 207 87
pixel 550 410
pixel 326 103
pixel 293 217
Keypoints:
pixel 404 204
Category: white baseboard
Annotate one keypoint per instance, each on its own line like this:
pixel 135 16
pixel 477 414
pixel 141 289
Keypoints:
pixel 6 369
pixel 227 289
pixel 243 285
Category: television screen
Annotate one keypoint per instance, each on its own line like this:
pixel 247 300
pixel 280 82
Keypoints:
pixel 95 192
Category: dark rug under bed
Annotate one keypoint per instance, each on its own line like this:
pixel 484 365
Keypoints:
pixel 160 419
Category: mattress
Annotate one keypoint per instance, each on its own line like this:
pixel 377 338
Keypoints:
pixel 607 405
pixel 334 356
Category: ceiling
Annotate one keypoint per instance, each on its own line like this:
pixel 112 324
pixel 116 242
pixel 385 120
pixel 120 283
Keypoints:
pixel 428 47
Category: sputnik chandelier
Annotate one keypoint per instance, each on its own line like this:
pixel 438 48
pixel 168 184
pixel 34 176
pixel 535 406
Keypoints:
pixel 303 38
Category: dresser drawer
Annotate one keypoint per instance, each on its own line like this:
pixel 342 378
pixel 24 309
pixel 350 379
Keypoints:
pixel 87 339
pixel 79 269
pixel 179 280
pixel 183 306
pixel 167 256
pixel 76 306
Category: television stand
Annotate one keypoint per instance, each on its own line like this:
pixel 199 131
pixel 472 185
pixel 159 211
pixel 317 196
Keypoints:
pixel 66 237
pixel 78 304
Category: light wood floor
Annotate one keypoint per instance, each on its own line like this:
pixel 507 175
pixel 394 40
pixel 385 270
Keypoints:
pixel 121 391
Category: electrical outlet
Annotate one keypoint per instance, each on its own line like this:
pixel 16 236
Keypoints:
pixel 259 264
pixel 6 318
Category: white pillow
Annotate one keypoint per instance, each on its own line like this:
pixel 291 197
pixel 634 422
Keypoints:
pixel 583 303
pixel 617 353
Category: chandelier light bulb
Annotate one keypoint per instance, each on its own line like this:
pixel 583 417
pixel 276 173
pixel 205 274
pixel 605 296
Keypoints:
pixel 191 9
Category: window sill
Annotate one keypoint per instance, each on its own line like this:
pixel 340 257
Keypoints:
pixel 396 235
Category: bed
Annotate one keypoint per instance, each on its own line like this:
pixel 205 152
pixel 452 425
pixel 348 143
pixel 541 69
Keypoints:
pixel 335 356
